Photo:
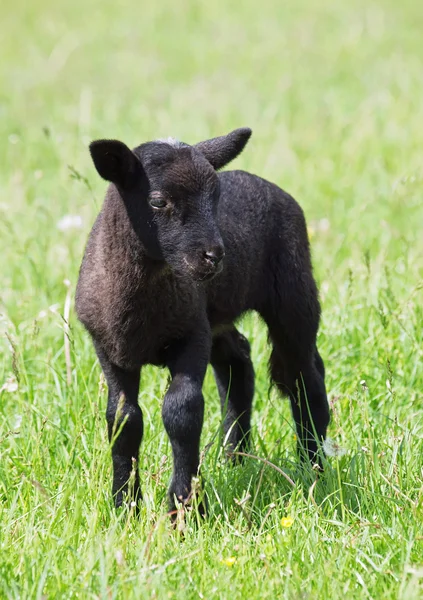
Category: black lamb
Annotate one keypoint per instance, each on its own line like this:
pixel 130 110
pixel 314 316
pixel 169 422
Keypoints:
pixel 176 255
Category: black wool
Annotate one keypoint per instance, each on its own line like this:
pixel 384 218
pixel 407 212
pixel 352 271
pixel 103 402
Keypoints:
pixel 176 255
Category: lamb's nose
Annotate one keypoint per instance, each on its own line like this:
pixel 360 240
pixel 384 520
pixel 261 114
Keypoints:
pixel 214 255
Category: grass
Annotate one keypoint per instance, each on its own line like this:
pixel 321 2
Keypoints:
pixel 333 92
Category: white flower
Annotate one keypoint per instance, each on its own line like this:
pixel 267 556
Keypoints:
pixel 324 225
pixel 10 385
pixel 69 222
pixel 331 448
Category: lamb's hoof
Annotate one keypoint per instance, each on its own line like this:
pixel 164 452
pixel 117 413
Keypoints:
pixel 131 503
pixel 181 507
pixel 236 454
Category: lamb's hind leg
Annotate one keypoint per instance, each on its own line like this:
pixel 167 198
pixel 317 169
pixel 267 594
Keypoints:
pixel 234 375
pixel 296 367
pixel 299 378
pixel 125 426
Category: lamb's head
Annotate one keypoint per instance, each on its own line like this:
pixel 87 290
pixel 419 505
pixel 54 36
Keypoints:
pixel 171 193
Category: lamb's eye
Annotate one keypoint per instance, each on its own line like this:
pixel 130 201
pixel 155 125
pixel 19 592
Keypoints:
pixel 157 202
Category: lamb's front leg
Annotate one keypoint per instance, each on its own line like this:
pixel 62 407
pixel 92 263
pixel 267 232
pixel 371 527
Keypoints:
pixel 183 410
pixel 125 427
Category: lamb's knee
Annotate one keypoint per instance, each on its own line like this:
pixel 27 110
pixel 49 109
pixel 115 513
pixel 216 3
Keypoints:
pixel 183 409
pixel 124 418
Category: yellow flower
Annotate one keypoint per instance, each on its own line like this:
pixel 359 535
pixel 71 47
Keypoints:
pixel 287 521
pixel 229 562
pixel 310 232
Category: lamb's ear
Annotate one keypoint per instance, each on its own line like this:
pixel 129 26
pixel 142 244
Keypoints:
pixel 221 150
pixel 115 162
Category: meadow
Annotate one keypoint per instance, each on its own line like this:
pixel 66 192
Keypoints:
pixel 333 91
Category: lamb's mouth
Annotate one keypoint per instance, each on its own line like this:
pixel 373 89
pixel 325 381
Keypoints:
pixel 202 275
pixel 210 274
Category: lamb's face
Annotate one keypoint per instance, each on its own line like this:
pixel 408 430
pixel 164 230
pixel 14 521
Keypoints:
pixel 171 193
pixel 183 200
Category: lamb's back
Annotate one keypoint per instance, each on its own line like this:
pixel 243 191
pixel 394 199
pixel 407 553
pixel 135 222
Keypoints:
pixel 262 227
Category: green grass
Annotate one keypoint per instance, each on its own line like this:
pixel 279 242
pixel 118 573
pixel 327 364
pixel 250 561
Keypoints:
pixel 333 92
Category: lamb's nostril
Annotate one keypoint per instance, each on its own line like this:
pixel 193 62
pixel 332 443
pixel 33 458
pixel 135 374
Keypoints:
pixel 214 255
